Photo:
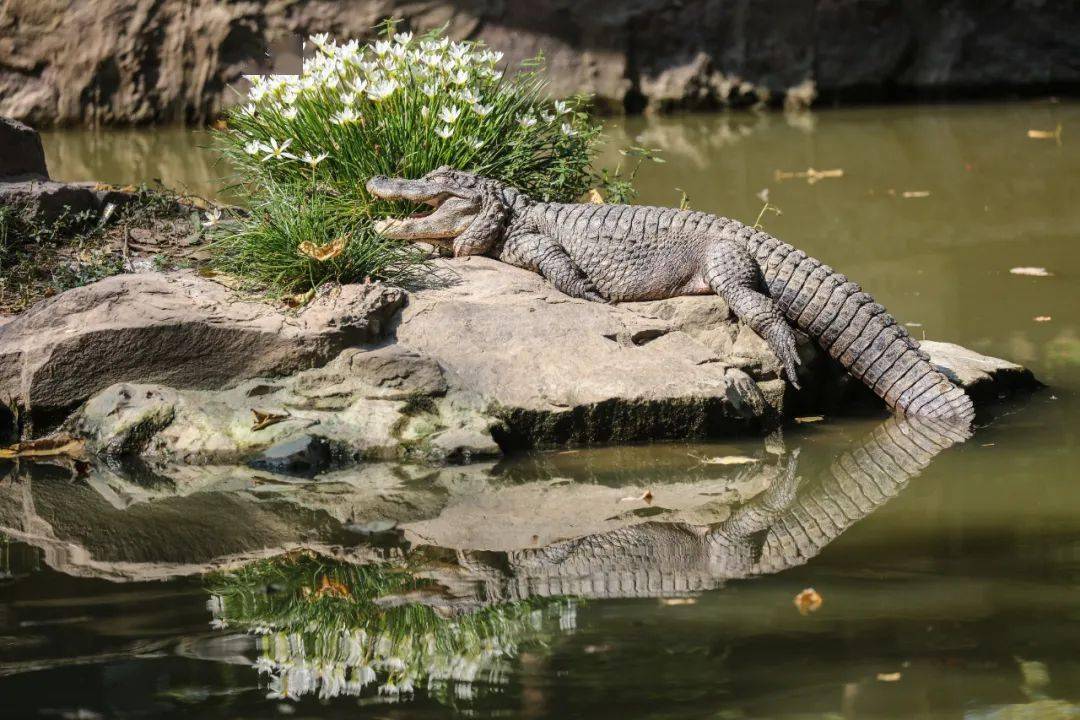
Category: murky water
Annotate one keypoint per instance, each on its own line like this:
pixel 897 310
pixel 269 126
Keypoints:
pixel 950 595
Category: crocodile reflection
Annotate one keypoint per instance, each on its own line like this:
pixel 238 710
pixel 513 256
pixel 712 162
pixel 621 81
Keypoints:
pixel 451 620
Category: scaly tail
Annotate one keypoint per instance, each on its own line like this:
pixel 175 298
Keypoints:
pixel 855 330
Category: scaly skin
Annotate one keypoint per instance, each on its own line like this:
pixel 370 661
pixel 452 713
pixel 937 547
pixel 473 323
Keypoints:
pixel 618 253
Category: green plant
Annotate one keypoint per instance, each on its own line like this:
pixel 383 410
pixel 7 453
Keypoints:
pixel 618 188
pixel 402 106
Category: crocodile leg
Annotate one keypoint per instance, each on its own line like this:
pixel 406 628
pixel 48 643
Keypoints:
pixel 554 264
pixel 736 277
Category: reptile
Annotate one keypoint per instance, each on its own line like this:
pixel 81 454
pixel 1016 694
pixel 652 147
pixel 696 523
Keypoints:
pixel 615 253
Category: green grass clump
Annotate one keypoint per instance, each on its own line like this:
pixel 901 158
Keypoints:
pixel 402 106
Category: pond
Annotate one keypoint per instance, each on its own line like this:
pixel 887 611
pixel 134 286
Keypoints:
pixel 947 574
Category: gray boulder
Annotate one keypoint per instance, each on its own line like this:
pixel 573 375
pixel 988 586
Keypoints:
pixel 21 154
pixel 178 329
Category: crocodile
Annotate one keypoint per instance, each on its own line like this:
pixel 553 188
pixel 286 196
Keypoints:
pixel 614 253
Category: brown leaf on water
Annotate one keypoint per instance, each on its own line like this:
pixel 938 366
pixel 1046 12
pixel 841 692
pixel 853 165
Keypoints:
pixel 812 176
pixel 889 677
pixel 678 601
pixel 1054 134
pixel 322 253
pixel 915 194
pixel 810 419
pixel 45 447
pixel 808 601
pixel 1042 318
pixel 266 419
pixel 594 197
pixel 646 496
pixel 1031 271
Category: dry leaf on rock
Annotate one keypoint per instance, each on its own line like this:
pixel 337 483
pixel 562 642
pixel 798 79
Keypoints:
pixel 45 447
pixel 322 253
pixel 808 601
pixel 646 496
pixel 595 197
pixel 266 419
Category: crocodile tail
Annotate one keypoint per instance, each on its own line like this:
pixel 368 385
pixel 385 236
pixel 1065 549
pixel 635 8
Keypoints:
pixel 857 332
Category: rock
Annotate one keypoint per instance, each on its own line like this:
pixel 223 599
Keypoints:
pixel 122 62
pixel 23 155
pixel 305 455
pixel 178 329
pixel 489 358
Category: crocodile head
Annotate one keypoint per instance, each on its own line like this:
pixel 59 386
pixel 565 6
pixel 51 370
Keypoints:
pixel 468 211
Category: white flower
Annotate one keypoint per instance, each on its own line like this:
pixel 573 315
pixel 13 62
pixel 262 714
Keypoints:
pixel 313 161
pixel 460 77
pixel 248 109
pixel 547 118
pixel 468 95
pixel 568 130
pixel 389 689
pixel 459 51
pixel 526 121
pixel 425 111
pixel 476 142
pixel 331 81
pixel 319 40
pixel 445 132
pixel 264 665
pixel 219 624
pixel 289 113
pixel 382 90
pixel 482 110
pixel 382 47
pixel 212 218
pixel 561 107
pixel 403 38
pixel 348 98
pixel 254 147
pixel 496 75
pixel 430 89
pixel 290 96
pixel 346 116
pixel 276 152
pixel 449 115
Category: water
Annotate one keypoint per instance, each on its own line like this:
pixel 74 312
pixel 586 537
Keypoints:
pixel 952 595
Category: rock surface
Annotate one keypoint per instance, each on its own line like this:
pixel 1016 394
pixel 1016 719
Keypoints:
pixel 22 156
pixel 487 359
pixel 178 329
pixel 125 61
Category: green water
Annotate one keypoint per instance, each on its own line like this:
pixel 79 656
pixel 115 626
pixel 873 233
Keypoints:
pixel 955 594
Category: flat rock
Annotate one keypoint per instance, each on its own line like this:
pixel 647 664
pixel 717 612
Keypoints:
pixel 177 329
pixel 982 376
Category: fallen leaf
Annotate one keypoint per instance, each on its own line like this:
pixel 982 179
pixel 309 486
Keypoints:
pixel 45 447
pixel 1054 134
pixel 299 299
pixel 265 419
pixel 1042 318
pixel 889 677
pixel 322 253
pixel 727 460
pixel 678 601
pixel 647 496
pixel 1032 271
pixel 915 194
pixel 594 649
pixel 332 587
pixel 810 419
pixel 594 197
pixel 808 601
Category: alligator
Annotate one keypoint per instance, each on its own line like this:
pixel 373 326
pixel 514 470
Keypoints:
pixel 613 253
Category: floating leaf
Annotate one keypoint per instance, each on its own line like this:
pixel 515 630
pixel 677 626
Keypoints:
pixel 727 460
pixel 45 447
pixel 1054 134
pixel 595 197
pixel 808 601
pixel 678 601
pixel 1032 271
pixel 266 419
pixel 812 176
pixel 322 253
pixel 915 194
pixel 889 677
pixel 1042 318
pixel 810 419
